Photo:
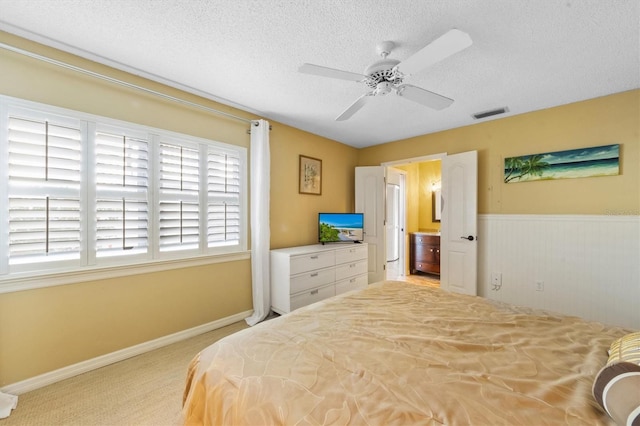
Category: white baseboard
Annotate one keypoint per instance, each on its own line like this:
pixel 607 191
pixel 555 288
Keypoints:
pixel 113 357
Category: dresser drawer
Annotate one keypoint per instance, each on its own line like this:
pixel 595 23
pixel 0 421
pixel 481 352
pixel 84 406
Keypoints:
pixel 308 280
pixel 307 274
pixel 312 296
pixel 426 253
pixel 427 267
pixel 353 283
pixel 351 269
pixel 354 252
pixel 309 262
pixel 427 239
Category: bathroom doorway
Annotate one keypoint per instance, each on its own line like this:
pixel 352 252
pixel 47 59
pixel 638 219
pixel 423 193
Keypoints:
pixel 409 210
pixel 395 223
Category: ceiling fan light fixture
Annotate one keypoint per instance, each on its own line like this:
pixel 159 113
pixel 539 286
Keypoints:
pixel 383 70
pixel 387 75
pixel 384 48
pixel 383 88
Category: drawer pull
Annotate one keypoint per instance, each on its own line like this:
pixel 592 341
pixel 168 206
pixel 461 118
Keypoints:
pixel 352 280
pixel 314 292
pixel 353 265
pixel 314 257
pixel 315 274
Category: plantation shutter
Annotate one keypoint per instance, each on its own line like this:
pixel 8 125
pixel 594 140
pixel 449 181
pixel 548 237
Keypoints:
pixel 45 158
pixel 122 190
pixel 179 224
pixel 223 198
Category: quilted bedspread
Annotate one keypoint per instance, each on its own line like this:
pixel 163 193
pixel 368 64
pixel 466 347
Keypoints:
pixel 397 354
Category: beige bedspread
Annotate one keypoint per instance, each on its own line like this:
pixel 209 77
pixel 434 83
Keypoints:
pixel 397 353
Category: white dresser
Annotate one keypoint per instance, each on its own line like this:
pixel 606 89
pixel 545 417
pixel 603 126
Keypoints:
pixel 307 274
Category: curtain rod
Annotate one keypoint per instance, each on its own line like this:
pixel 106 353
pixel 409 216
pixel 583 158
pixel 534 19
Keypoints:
pixel 120 82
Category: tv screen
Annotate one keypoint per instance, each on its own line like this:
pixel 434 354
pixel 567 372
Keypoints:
pixel 340 227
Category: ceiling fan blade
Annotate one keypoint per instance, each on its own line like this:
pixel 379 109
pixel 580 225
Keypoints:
pixel 330 72
pixel 355 107
pixel 424 97
pixel 441 48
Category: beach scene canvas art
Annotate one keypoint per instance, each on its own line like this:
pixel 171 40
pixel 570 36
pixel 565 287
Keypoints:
pixel 570 164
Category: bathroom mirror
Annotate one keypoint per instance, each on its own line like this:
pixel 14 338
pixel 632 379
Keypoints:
pixel 436 205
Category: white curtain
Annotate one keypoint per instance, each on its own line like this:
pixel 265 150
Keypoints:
pixel 7 403
pixel 260 237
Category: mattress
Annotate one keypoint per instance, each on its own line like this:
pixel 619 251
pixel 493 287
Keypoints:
pixel 396 354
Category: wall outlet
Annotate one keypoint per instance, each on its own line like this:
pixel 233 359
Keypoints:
pixel 539 285
pixel 496 281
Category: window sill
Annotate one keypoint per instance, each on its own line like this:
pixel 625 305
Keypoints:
pixel 13 284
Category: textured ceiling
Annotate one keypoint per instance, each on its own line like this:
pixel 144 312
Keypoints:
pixel 526 54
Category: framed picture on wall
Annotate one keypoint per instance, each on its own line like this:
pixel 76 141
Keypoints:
pixel 310 176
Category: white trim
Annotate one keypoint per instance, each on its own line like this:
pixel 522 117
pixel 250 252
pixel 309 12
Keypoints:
pixel 119 66
pixel 420 159
pixel 31 282
pixel 562 217
pixel 113 357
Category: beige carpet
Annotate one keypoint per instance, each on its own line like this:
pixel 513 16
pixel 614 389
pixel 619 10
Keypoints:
pixel 144 390
pixel 424 279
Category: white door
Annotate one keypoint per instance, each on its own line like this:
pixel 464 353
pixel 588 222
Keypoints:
pixel 370 195
pixel 458 239
pixel 393 228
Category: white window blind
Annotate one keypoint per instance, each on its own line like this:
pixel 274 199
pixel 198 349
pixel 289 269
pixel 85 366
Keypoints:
pixel 122 194
pixel 178 216
pixel 223 193
pixel 84 192
pixel 44 167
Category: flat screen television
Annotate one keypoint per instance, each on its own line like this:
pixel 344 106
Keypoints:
pixel 340 227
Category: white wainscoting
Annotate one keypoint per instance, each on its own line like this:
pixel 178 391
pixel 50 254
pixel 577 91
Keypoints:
pixel 589 265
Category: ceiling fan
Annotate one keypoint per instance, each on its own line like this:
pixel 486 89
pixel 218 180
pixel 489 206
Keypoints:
pixel 387 75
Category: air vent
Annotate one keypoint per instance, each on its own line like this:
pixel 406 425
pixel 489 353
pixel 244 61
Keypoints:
pixel 486 114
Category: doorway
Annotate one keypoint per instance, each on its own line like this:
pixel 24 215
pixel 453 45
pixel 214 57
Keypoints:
pixel 395 222
pixel 408 210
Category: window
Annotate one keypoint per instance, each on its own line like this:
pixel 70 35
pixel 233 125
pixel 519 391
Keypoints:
pixel 122 194
pixel 82 191
pixel 44 189
pixel 223 198
pixel 179 214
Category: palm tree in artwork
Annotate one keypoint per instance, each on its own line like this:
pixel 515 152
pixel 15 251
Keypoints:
pixel 518 167
pixel 512 167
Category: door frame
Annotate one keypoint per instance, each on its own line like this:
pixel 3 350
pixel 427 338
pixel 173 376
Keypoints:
pixel 403 205
pixel 402 216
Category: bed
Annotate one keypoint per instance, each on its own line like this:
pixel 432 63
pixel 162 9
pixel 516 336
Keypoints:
pixel 399 353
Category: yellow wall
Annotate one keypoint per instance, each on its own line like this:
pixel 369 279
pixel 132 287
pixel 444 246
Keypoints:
pixel 418 193
pixel 430 172
pixel 46 329
pixel 294 216
pixel 42 330
pixel 613 119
